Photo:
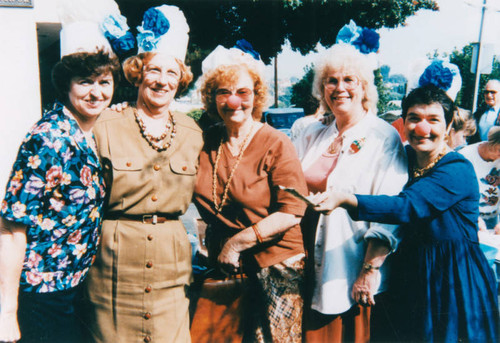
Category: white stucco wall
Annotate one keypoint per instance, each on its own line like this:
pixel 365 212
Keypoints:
pixel 20 101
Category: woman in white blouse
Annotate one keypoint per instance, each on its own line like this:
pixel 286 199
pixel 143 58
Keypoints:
pixel 357 153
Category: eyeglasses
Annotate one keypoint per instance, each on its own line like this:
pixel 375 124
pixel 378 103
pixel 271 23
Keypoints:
pixel 222 94
pixel 489 92
pixel 171 76
pixel 350 82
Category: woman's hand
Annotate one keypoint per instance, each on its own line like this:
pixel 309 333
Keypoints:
pixel 363 290
pixel 229 257
pixel 9 328
pixel 119 107
pixel 326 202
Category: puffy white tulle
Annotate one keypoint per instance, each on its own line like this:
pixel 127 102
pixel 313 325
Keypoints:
pixel 71 11
pixel 221 56
pixel 83 25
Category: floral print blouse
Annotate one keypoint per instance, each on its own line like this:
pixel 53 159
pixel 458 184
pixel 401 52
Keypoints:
pixel 56 188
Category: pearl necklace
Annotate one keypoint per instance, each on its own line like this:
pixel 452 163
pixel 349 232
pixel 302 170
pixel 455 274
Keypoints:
pixel 218 208
pixel 155 141
pixel 418 172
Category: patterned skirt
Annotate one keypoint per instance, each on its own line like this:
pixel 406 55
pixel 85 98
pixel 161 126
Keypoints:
pixel 276 302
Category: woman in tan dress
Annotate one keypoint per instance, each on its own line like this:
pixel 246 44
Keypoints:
pixel 250 219
pixel 137 286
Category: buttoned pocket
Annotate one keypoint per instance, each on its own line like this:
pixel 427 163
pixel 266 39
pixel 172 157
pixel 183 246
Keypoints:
pixel 127 164
pixel 183 167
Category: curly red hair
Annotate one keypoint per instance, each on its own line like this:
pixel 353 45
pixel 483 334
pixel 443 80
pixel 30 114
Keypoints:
pixel 229 74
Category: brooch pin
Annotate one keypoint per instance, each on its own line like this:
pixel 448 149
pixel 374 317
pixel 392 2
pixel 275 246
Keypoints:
pixel 356 145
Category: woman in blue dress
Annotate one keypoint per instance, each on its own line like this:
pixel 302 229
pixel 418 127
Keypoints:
pixel 442 286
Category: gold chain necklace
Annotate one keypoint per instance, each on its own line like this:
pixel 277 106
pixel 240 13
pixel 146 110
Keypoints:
pixel 218 208
pixel 155 142
pixel 418 172
pixel 336 145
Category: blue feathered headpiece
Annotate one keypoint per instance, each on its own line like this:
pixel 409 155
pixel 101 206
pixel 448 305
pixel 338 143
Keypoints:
pixel 117 32
pixel 364 39
pixel 437 72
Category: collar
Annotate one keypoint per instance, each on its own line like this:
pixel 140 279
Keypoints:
pixel 496 108
pixel 358 128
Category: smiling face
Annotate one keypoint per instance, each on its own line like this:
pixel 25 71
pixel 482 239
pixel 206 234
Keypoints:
pixel 160 81
pixel 425 128
pixel 234 100
pixel 89 96
pixel 491 93
pixel 343 92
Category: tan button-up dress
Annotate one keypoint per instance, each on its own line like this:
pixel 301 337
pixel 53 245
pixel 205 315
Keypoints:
pixel 137 285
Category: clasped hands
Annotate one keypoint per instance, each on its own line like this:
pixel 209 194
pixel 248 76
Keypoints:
pixel 229 258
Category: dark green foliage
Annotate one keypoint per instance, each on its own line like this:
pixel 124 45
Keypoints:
pixel 195 114
pixel 301 92
pixel 383 92
pixel 268 24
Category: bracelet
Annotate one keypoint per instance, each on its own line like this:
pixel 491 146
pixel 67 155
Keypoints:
pixel 367 266
pixel 257 233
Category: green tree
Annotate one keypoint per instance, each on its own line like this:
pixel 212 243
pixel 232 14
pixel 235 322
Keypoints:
pixel 385 71
pixel 302 92
pixel 268 24
pixel 463 60
pixel 384 94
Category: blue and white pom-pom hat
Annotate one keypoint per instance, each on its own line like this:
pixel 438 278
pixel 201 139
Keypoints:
pixel 241 53
pixel 90 25
pixel 365 40
pixel 164 30
pixel 438 72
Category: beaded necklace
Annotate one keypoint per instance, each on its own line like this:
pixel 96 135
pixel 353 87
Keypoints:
pixel 418 172
pixel 218 208
pixel 156 142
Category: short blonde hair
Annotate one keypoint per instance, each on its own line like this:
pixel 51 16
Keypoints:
pixel 229 73
pixel 463 120
pixel 133 70
pixel 346 58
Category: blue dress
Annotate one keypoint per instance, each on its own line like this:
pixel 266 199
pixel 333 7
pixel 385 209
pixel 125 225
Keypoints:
pixel 442 286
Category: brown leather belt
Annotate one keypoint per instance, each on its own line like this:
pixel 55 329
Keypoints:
pixel 143 218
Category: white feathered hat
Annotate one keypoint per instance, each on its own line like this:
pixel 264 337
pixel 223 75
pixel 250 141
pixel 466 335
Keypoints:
pixel 80 20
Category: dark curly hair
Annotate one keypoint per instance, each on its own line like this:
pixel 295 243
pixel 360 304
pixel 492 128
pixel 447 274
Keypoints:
pixel 83 64
pixel 428 95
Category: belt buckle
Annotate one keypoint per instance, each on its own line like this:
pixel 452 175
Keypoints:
pixel 154 218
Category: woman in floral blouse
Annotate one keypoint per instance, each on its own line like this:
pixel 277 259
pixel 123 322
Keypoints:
pixel 51 214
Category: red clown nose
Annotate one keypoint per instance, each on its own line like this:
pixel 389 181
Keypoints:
pixel 233 102
pixel 423 128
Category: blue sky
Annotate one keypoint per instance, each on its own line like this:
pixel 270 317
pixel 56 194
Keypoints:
pixel 455 25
